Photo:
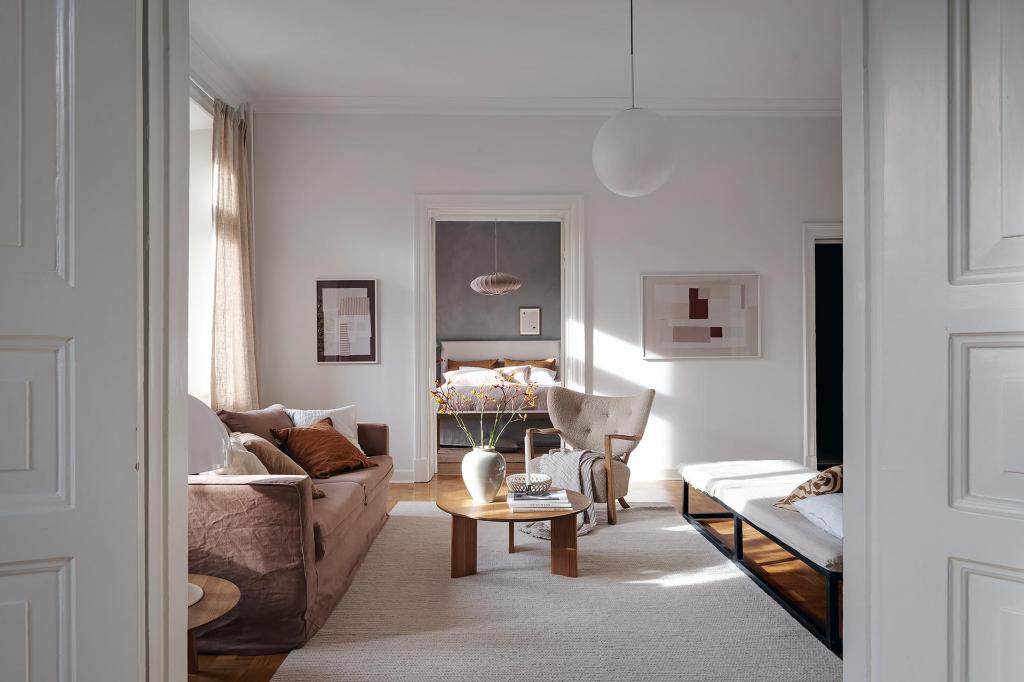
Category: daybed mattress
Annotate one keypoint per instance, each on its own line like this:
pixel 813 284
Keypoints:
pixel 752 488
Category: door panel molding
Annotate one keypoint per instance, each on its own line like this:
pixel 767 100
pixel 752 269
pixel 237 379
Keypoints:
pixel 986 141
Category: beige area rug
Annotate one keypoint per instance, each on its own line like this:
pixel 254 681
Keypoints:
pixel 654 601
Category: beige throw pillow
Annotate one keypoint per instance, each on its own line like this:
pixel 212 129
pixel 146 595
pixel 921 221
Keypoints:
pixel 828 481
pixel 276 462
pixel 241 462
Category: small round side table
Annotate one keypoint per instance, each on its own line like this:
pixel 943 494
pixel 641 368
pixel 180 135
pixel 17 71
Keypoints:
pixel 219 597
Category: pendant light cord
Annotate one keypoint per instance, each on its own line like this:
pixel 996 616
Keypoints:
pixel 495 245
pixel 632 69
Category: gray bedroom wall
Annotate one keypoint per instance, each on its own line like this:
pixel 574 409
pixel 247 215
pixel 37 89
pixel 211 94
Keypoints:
pixel 465 250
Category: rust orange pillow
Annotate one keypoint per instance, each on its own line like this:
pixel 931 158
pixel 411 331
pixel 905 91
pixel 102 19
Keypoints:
pixel 542 364
pixel 321 450
pixel 484 364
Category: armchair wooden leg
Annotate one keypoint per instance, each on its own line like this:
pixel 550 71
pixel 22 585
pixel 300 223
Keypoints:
pixel 622 501
pixel 612 520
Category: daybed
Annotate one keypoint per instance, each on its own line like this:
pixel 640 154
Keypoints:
pixel 749 490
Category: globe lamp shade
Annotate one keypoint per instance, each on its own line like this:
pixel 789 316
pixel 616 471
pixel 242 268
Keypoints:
pixel 633 152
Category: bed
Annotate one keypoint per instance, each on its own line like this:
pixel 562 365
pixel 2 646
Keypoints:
pixel 465 381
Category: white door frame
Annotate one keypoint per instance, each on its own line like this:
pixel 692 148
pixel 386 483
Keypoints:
pixel 856 342
pixel 163 355
pixel 814 233
pixel 430 208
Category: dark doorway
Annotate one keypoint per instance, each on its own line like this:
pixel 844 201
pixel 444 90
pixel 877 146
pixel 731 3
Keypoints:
pixel 828 353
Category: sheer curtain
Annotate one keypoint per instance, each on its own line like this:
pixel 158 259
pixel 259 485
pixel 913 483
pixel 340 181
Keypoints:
pixel 233 370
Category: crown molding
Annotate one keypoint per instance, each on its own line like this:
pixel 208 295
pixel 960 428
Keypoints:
pixel 545 106
pixel 213 76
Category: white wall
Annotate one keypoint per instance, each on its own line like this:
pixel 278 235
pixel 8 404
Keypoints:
pixel 200 262
pixel 335 197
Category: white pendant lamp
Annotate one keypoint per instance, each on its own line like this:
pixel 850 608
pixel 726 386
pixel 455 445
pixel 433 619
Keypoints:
pixel 633 154
pixel 497 283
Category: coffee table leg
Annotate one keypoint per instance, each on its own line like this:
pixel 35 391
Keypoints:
pixel 563 546
pixel 463 546
pixel 511 537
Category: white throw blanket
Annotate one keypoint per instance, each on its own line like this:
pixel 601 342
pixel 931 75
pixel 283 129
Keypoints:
pixel 572 470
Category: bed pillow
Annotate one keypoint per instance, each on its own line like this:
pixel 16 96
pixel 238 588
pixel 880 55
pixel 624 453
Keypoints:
pixel 518 374
pixel 484 364
pixel 256 421
pixel 824 511
pixel 471 376
pixel 827 482
pixel 549 363
pixel 543 376
pixel 342 418
pixel 321 450
pixel 276 462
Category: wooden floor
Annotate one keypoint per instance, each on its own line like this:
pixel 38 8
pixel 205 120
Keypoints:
pixel 790 575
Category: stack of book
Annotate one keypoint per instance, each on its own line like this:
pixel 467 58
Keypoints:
pixel 546 501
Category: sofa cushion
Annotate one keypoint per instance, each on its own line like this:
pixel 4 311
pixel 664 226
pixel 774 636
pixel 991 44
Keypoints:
pixel 369 479
pixel 257 421
pixel 332 514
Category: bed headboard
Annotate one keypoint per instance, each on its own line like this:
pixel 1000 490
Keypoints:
pixel 514 349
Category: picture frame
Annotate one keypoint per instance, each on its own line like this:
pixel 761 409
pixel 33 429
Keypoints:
pixel 346 321
pixel 695 316
pixel 529 321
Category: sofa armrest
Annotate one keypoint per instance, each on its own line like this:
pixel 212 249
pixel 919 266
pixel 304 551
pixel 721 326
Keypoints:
pixel 257 532
pixel 373 438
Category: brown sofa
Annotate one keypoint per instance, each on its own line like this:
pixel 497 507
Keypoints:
pixel 292 557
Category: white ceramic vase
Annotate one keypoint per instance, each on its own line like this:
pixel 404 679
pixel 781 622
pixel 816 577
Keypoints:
pixel 483 470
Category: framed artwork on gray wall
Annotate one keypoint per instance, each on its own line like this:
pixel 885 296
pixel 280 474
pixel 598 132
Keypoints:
pixel 346 321
pixel 701 316
pixel 529 322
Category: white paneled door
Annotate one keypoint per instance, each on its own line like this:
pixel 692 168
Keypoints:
pixel 945 284
pixel 70 188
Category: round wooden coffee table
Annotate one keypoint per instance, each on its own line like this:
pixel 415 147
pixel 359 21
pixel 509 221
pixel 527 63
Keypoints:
pixel 219 597
pixel 466 512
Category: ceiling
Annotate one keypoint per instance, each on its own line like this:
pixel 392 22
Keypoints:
pixel 523 55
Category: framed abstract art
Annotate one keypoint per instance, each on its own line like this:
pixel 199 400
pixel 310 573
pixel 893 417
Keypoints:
pixel 701 316
pixel 346 321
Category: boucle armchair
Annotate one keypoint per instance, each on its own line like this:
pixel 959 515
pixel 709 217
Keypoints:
pixel 605 424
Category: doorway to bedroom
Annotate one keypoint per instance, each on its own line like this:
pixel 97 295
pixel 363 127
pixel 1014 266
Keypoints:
pixel 498 319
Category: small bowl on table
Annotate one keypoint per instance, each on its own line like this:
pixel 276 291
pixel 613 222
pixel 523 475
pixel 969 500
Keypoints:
pixel 539 483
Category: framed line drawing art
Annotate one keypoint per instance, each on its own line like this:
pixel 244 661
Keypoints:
pixel 346 321
pixel 701 316
pixel 529 322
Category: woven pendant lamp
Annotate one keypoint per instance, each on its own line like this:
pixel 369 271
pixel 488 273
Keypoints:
pixel 497 283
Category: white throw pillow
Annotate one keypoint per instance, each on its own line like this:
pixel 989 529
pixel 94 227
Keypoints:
pixel 343 419
pixel 241 462
pixel 519 374
pixel 543 377
pixel 824 511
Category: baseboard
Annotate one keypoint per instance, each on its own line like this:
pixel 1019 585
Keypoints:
pixel 404 476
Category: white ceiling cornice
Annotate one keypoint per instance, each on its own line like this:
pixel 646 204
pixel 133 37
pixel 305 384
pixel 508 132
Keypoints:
pixel 545 106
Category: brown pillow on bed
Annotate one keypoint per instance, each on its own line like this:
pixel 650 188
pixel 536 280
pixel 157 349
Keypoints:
pixel 542 364
pixel 277 462
pixel 321 450
pixel 828 481
pixel 459 364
